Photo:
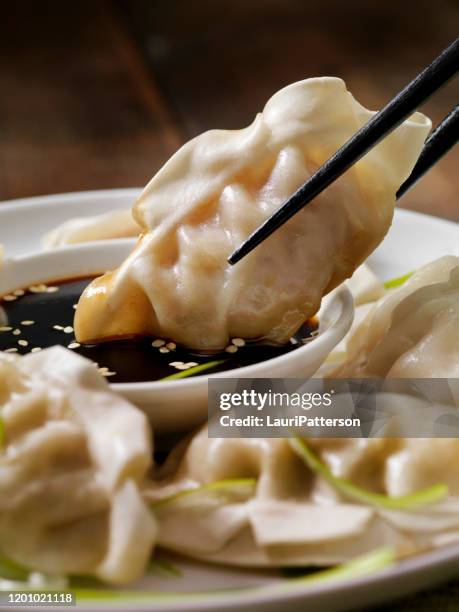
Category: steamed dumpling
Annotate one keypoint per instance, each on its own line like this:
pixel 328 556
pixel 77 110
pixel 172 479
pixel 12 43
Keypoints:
pixel 293 517
pixel 115 224
pixel 72 464
pixel 220 187
pixel 413 331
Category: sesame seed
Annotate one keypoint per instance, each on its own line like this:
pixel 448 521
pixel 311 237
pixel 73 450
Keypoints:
pixel 52 289
pixel 19 292
pixel 11 350
pixel 238 342
pixel 5 328
pixel 36 349
pixel 231 349
pixel 27 322
pixel 16 332
pixel 181 367
pixel 68 329
pixel 174 364
pixel 171 346
pixel 108 373
pixel 9 298
pixel 191 364
pixel 74 345
pixel 75 306
pixel 157 343
pixel 58 327
pixel 37 288
pixel 103 369
pixel 164 349
pixel 23 343
pixel 293 341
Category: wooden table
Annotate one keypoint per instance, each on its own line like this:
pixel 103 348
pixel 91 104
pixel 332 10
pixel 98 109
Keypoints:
pixel 99 94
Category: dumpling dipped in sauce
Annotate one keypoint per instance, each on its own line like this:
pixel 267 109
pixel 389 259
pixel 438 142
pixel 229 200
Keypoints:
pixel 216 190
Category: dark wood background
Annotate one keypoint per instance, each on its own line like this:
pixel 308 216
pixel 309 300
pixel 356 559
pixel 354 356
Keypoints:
pixel 98 94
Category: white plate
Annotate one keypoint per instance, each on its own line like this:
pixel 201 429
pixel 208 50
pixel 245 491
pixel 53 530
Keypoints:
pixel 413 240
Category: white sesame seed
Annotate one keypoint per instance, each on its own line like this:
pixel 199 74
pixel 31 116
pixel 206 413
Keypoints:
pixel 108 373
pixel 238 342
pixel 11 350
pixel 74 345
pixel 5 328
pixel 37 288
pixel 68 329
pixel 36 349
pixel 174 364
pixel 19 292
pixel 293 341
pixel 27 322
pixel 103 369
pixel 75 306
pixel 181 367
pixel 231 349
pixel 23 343
pixel 9 298
pixel 171 346
pixel 157 343
pixel 52 289
pixel 16 332
pixel 164 349
pixel 58 327
pixel 191 364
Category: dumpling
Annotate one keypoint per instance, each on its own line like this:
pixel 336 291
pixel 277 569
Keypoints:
pixel 115 224
pixel 365 286
pixel 292 516
pixel 413 331
pixel 72 463
pixel 221 186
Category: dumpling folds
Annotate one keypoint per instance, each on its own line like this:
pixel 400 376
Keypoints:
pixel 413 331
pixel 221 186
pixel 71 466
pixel 294 517
pixel 116 224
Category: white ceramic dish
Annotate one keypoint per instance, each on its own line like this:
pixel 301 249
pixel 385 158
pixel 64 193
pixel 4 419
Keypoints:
pixel 413 240
pixel 178 405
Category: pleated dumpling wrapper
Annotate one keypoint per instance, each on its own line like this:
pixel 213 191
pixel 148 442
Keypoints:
pixel 411 332
pixel 221 186
pixel 73 458
pixel 107 226
pixel 254 501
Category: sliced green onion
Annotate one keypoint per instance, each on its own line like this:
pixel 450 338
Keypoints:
pixel 360 566
pixel 164 567
pixel 10 570
pixel 232 490
pixel 397 282
pixel 348 489
pixel 194 370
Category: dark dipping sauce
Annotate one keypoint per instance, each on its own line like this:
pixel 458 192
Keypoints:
pixel 127 360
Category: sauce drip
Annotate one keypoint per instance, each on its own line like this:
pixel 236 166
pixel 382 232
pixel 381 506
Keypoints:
pixel 44 318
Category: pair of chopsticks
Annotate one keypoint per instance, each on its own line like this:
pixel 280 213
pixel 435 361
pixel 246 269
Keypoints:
pixel 430 80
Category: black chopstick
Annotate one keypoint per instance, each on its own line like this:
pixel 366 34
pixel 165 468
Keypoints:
pixel 441 70
pixel 442 139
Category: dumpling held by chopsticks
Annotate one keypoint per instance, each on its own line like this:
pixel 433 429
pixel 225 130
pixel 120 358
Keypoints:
pixel 216 190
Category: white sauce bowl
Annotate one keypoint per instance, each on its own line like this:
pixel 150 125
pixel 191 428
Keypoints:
pixel 178 405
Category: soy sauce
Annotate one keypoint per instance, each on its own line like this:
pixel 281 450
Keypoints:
pixel 44 317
